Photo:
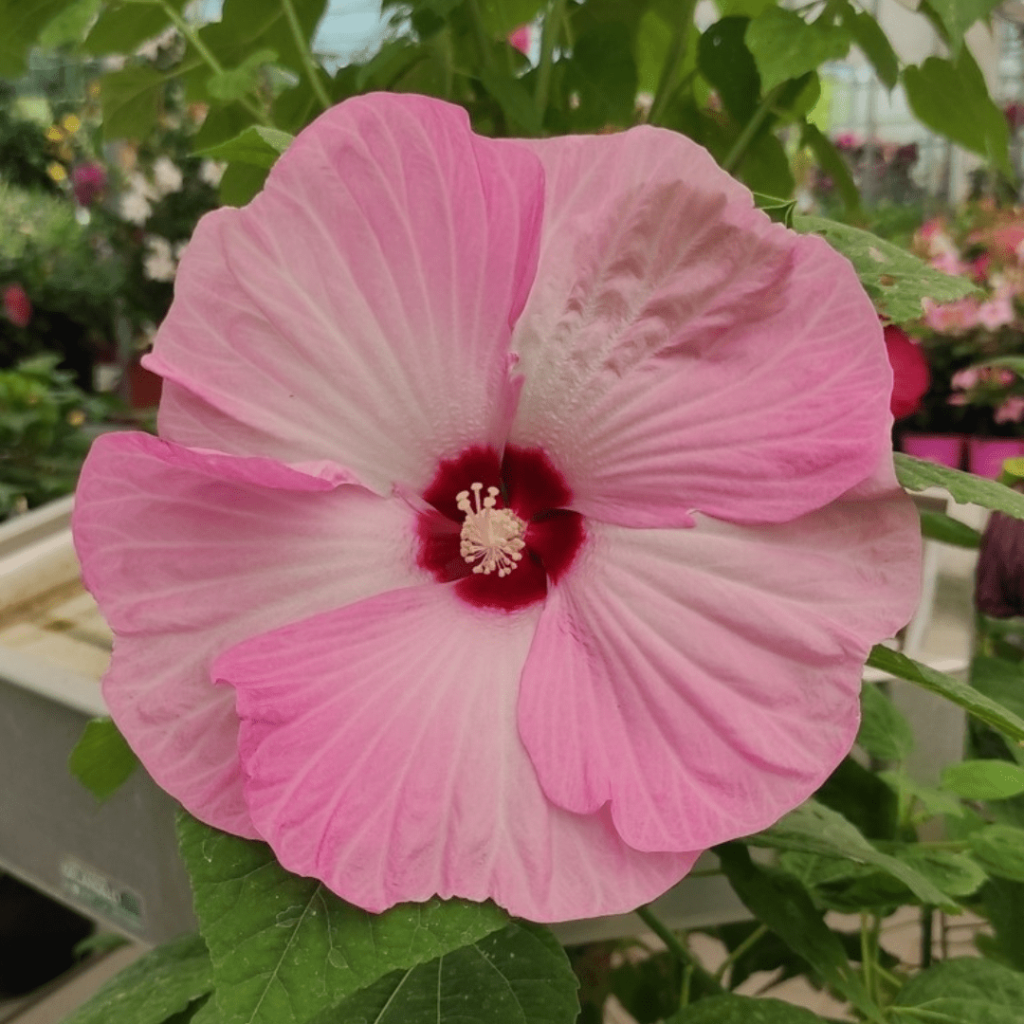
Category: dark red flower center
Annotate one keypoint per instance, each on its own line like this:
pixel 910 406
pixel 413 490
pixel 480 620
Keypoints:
pixel 499 528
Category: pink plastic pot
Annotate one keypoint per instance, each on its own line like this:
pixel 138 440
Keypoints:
pixel 985 455
pixel 945 449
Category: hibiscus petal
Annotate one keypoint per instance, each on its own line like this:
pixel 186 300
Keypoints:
pixel 381 756
pixel 681 352
pixel 188 552
pixel 706 681
pixel 360 308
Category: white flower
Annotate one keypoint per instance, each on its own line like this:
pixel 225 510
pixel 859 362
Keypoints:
pixel 159 263
pixel 166 175
pixel 211 171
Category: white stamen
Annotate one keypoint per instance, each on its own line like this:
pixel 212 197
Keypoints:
pixel 491 537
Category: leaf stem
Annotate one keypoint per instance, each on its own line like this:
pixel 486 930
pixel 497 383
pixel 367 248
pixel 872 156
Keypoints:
pixel 673 59
pixel 752 939
pixel 210 58
pixel 678 950
pixel 548 36
pixel 302 45
pixel 750 130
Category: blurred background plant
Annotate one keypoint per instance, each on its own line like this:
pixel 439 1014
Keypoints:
pixel 46 423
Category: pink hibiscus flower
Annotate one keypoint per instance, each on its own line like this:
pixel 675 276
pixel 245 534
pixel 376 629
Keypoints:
pixel 522 516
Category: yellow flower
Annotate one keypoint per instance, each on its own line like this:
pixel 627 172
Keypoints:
pixel 56 171
pixel 71 123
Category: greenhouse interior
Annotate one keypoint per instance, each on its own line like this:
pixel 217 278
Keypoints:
pixel 511 511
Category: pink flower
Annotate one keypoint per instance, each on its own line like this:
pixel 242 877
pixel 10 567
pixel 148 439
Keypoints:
pixel 17 305
pixel 965 379
pixel 88 182
pixel 951 317
pixel 911 376
pixel 1005 240
pixel 522 516
pixel 521 39
pixel 1011 410
pixel 996 313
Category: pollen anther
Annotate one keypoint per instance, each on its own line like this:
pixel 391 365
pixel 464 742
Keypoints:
pixel 491 537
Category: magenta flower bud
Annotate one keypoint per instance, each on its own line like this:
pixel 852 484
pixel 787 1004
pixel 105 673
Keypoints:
pixel 88 182
pixel 17 306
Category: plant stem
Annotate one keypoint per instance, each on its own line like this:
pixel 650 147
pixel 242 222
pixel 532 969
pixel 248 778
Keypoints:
pixel 750 129
pixel 754 937
pixel 673 59
pixel 302 45
pixel 210 58
pixel 677 949
pixel 548 36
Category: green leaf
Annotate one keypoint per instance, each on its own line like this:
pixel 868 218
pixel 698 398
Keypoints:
pixel 971 700
pixel 234 83
pixel 515 102
pixel 765 166
pixel 161 983
pixel 725 61
pixel 519 975
pixel 941 527
pixel 832 163
pixel 785 46
pixel 1001 680
pixel 950 99
pixel 744 8
pixel 285 949
pixel 814 828
pixel 780 210
pixel 1002 902
pixel 917 474
pixel 958 15
pixel 131 100
pixel 101 760
pixel 69 27
pixel 966 989
pixel 733 1009
pixel 256 145
pixel 501 17
pixel 241 181
pixel 1000 850
pixel 603 73
pixel 954 873
pixel 124 27
pixel 895 279
pixel 884 732
pixel 984 780
pixel 874 44
pixel 22 23
pixel 934 802
pixel 780 902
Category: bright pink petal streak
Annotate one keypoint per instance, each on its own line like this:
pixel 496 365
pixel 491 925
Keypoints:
pixel 683 353
pixel 381 756
pixel 705 681
pixel 188 553
pixel 360 308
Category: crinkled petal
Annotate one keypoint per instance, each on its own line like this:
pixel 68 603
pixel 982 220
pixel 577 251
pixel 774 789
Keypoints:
pixel 360 308
pixel 189 552
pixel 681 352
pixel 705 681
pixel 381 756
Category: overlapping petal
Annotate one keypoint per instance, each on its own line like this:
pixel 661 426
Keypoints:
pixel 381 755
pixel 681 352
pixel 360 308
pixel 188 552
pixel 706 681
